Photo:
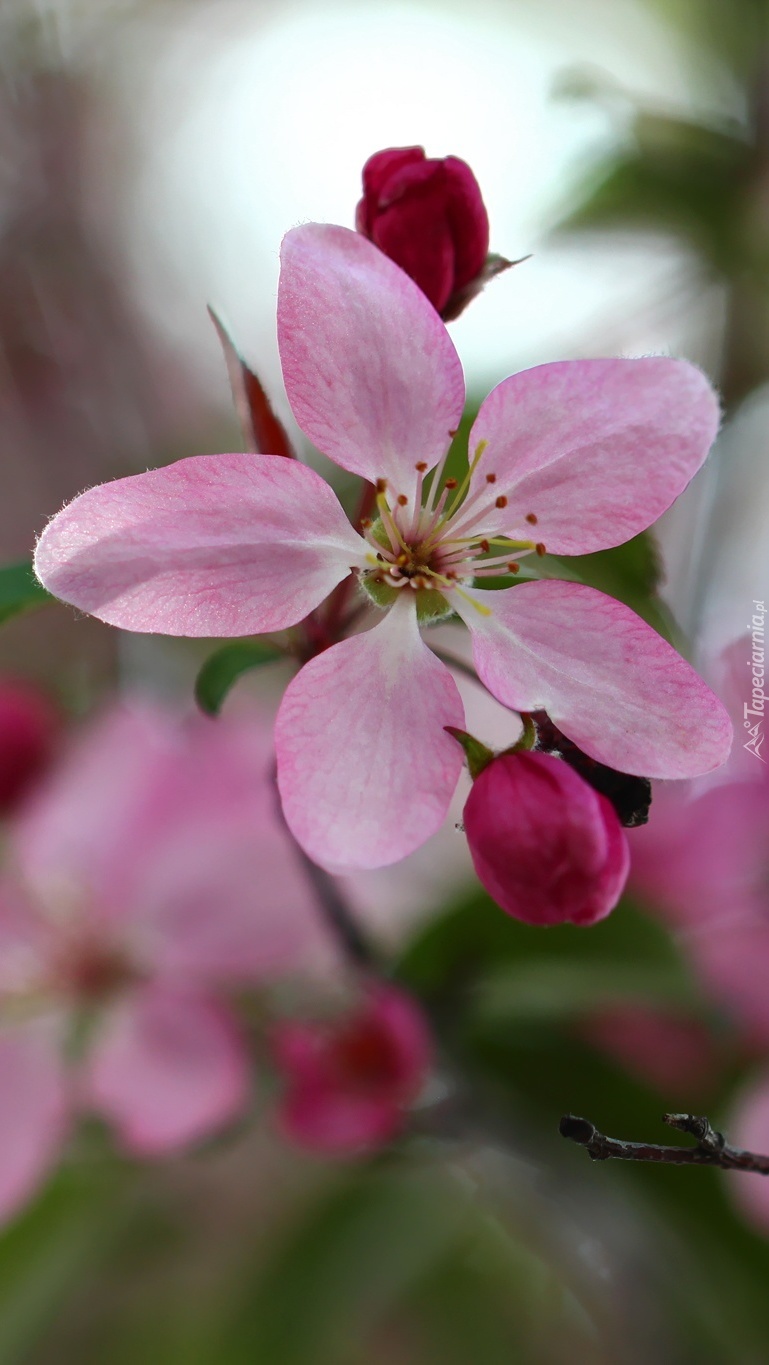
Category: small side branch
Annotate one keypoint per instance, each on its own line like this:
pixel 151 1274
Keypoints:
pixel 711 1147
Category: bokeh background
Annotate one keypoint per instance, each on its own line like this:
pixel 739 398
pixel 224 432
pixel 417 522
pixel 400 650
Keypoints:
pixel 151 157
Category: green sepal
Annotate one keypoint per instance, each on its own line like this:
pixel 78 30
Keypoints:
pixel 528 736
pixel 223 668
pixel 478 755
pixel 20 590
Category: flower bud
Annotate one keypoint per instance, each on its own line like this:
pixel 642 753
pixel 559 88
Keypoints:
pixel 349 1082
pixel 546 846
pixel 428 216
pixel 29 727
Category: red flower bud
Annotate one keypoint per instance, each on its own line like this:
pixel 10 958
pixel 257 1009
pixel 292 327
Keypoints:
pixel 428 216
pixel 545 845
pixel 29 726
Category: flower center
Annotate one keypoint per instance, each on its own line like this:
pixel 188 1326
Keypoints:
pixel 434 545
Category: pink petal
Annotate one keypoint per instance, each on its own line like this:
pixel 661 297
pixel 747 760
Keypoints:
pixel 214 545
pixel 614 686
pixel 546 846
pixel 371 373
pixel 33 1112
pixel 168 1070
pixel 595 449
pixel 365 770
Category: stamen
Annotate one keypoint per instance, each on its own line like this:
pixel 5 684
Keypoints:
pixel 381 486
pixel 390 525
pixel 501 501
pixel 447 582
pixel 540 549
pixel 532 520
pixel 491 478
pixel 402 500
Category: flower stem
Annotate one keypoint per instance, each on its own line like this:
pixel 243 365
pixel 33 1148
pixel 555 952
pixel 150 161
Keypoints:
pixel 711 1148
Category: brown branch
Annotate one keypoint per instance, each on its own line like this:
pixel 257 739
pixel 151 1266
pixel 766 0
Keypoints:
pixel 712 1149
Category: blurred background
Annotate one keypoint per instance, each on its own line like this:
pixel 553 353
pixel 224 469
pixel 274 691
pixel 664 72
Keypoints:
pixel 151 157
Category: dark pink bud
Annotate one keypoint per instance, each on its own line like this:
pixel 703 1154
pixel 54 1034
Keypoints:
pixel 545 845
pixel 350 1081
pixel 29 725
pixel 428 216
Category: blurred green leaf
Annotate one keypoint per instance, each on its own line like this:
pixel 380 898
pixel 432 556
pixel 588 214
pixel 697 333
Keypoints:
pixel 546 988
pixel 47 1251
pixel 20 590
pixel 221 671
pixel 680 176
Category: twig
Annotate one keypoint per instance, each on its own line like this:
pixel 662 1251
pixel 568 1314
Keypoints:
pixel 712 1149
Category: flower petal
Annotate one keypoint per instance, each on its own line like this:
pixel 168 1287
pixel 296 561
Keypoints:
pixel 214 545
pixel 609 681
pixel 365 770
pixel 596 450
pixel 371 373
pixel 33 1112
pixel 169 1069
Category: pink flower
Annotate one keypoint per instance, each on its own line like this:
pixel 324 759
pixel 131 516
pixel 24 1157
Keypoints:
pixel 704 862
pixel 146 878
pixel 349 1082
pixel 428 216
pixel 588 452
pixel 546 846
pixel 29 728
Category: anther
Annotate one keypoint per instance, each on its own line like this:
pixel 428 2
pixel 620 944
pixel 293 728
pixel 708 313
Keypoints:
pixel 491 478
pixel 381 485
pixel 484 544
pixel 366 524
pixel 402 499
pixel 540 549
pixel 501 501
pixel 453 431
pixel 450 483
pixel 421 467
pixel 531 518
pixel 513 566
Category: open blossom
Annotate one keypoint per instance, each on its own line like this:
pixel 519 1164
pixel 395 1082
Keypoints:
pixel 573 457
pixel 349 1082
pixel 546 846
pixel 145 879
pixel 428 216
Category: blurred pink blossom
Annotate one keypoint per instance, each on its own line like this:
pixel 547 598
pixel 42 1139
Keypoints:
pixel 590 452
pixel 349 1082
pixel 149 876
pixel 748 1126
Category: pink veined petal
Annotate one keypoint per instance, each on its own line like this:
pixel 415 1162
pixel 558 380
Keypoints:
pixel 169 1069
pixel 214 545
pixel 34 1112
pixel 609 681
pixel 596 450
pixel 371 373
pixel 365 769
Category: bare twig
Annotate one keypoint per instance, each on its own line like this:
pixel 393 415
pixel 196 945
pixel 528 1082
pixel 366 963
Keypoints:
pixel 712 1149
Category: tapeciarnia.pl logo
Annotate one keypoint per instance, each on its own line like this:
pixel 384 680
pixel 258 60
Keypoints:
pixel 754 710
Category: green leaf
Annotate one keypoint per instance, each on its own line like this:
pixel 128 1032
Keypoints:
pixel 222 670
pixel 20 590
pixel 556 989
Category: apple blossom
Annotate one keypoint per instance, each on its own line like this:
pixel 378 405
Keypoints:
pixel 349 1082
pixel 146 878
pixel 575 456
pixel 428 216
pixel 546 846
